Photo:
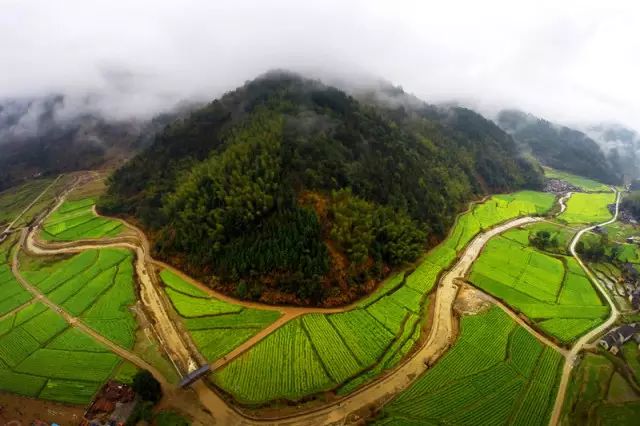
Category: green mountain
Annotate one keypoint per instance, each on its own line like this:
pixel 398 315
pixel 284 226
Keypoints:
pixel 558 146
pixel 289 190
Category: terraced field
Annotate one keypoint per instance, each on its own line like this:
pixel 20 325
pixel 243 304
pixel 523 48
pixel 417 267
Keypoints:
pixel 75 220
pixel 599 395
pixel 551 290
pixel 15 200
pixel 12 294
pixel 496 373
pixel 96 286
pixel 583 183
pixel 588 208
pixel 372 337
pixel 216 327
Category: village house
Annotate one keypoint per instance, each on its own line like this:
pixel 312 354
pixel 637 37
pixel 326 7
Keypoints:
pixel 613 340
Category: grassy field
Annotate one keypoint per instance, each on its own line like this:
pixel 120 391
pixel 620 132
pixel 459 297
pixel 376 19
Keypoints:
pixel 550 290
pixel 96 286
pixel 588 208
pixel 581 182
pixel 75 220
pixel 356 346
pixel 620 231
pixel 216 327
pixel 496 373
pixel 41 356
pixel 598 395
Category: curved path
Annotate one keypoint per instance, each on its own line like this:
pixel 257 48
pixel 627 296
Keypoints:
pixel 584 340
pixel 441 336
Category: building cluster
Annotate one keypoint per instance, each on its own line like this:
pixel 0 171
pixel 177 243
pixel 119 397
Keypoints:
pixel 613 340
pixel 112 406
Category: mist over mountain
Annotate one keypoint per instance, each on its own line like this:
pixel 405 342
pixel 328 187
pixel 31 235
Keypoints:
pixel 559 147
pixel 53 134
pixel 621 146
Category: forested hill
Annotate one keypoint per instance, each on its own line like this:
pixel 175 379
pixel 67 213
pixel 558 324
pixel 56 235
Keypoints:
pixel 288 190
pixel 559 147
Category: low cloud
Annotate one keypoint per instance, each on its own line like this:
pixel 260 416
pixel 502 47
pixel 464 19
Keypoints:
pixel 573 62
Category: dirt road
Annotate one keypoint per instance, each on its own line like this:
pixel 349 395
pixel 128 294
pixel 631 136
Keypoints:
pixel 584 340
pixel 441 337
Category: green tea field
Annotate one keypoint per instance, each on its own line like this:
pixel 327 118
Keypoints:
pixel 496 373
pixel 75 220
pixel 551 290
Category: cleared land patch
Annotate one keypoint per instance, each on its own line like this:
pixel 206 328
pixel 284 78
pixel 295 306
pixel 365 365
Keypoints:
pixel 75 220
pixel 551 290
pixel 588 208
pixel 496 373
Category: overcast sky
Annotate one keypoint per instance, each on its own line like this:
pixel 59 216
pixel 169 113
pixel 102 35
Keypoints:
pixel 570 62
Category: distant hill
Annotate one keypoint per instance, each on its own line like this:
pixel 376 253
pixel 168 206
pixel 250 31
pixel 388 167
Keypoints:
pixel 559 147
pixel 621 146
pixel 39 136
pixel 289 190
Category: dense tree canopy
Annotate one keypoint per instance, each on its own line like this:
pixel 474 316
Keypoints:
pixel 280 183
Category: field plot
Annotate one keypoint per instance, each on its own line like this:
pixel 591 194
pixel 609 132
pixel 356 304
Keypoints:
pixel 75 220
pixel 96 286
pixel 583 183
pixel 14 200
pixel 217 327
pixel 551 290
pixel 588 208
pixel 496 373
pixel 12 294
pixel 41 356
pixel 599 395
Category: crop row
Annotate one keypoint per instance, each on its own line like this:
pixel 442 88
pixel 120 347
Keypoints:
pixel 75 220
pixel 465 387
pixel 551 290
pixel 40 355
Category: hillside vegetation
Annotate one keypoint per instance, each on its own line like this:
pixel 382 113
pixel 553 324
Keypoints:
pixel 294 189
pixel 559 147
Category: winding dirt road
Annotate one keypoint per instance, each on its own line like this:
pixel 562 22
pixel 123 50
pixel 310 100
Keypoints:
pixel 441 337
pixel 584 340
pixel 347 409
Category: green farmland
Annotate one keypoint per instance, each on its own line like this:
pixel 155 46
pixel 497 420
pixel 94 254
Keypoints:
pixel 588 208
pixel 496 373
pixel 40 356
pixel 95 286
pixel 12 294
pixel 598 394
pixel 75 220
pixel 14 200
pixel 550 290
pixel 583 183
pixel 354 347
pixel 216 327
